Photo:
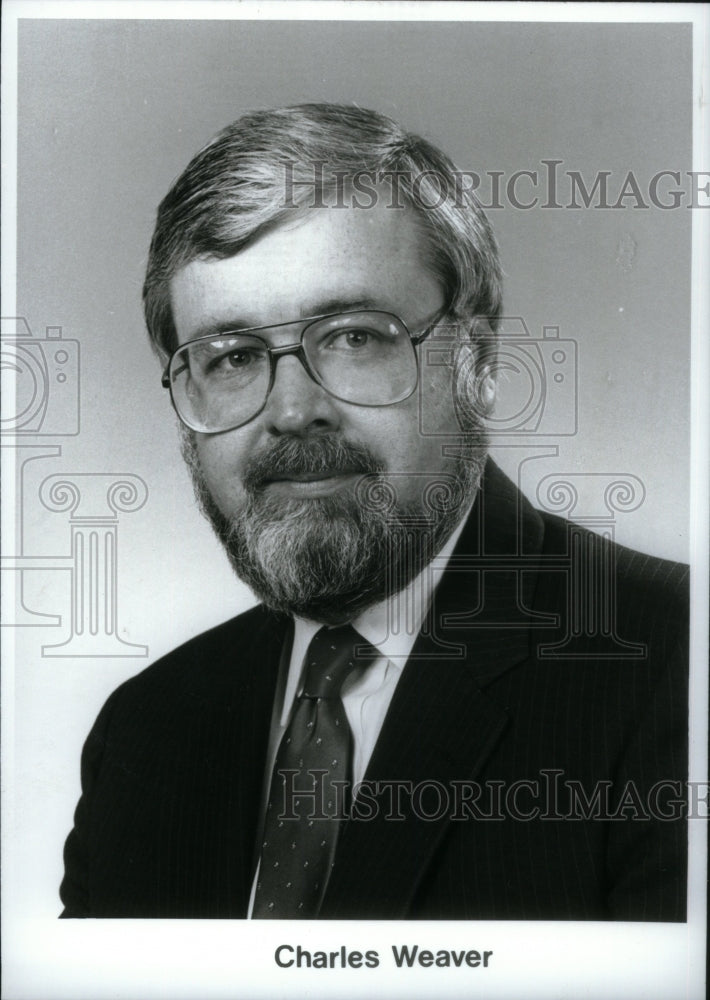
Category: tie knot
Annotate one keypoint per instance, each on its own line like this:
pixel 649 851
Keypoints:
pixel 332 655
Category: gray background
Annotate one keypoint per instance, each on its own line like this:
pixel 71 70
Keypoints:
pixel 110 112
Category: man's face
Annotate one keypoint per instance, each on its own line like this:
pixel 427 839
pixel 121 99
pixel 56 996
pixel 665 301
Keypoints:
pixel 330 260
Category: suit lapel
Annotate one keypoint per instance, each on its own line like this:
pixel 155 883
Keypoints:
pixel 439 730
pixel 254 687
pixel 442 726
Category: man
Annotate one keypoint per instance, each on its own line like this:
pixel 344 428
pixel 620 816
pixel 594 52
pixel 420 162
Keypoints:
pixel 421 718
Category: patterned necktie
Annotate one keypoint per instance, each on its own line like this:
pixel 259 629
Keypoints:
pixel 308 796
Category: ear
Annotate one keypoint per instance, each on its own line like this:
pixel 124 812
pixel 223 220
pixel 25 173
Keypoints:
pixel 484 346
pixel 474 387
pixel 486 388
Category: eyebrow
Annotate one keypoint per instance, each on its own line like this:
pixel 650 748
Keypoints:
pixel 320 308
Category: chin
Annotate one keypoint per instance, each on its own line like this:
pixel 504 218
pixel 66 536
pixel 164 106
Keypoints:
pixel 328 556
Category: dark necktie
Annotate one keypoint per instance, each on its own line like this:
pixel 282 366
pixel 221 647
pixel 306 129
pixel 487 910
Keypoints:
pixel 313 759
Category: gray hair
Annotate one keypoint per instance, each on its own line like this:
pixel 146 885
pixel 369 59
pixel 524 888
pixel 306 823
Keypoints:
pixel 233 191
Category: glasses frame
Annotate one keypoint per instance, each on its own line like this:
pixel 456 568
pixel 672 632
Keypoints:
pixel 297 349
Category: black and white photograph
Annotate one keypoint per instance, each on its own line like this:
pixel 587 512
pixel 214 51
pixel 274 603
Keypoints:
pixel 355 500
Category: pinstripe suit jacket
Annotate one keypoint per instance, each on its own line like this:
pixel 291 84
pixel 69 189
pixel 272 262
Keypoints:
pixel 537 737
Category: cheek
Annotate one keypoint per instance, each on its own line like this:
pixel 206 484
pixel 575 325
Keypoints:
pixel 412 437
pixel 221 460
pixel 436 411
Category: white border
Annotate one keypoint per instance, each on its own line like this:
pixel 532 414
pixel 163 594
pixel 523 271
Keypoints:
pixel 198 959
pixel 358 10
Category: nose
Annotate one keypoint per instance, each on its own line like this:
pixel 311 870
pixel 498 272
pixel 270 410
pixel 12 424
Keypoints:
pixel 297 405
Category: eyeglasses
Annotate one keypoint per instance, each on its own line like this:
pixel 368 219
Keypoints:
pixel 221 382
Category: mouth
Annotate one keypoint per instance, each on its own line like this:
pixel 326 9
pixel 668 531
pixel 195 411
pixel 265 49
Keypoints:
pixel 310 483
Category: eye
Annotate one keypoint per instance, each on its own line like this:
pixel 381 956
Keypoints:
pixel 351 338
pixel 238 359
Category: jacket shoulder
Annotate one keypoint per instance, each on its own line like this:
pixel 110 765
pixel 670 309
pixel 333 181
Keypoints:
pixel 640 580
pixel 214 664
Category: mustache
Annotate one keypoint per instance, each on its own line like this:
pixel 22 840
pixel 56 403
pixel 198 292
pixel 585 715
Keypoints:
pixel 326 454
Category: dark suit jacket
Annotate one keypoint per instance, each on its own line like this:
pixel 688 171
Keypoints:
pixel 549 681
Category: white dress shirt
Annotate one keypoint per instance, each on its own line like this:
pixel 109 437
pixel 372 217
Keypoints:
pixel 391 626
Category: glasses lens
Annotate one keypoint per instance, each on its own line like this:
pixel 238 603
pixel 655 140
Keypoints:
pixel 220 383
pixel 364 357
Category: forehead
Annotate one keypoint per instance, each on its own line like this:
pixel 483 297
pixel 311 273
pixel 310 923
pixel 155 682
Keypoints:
pixel 324 257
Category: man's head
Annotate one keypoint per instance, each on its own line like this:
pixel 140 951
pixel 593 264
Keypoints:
pixel 323 496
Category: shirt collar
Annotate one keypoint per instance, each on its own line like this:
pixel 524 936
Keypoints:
pixel 391 625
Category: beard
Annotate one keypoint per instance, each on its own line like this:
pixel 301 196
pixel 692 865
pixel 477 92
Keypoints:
pixel 329 558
